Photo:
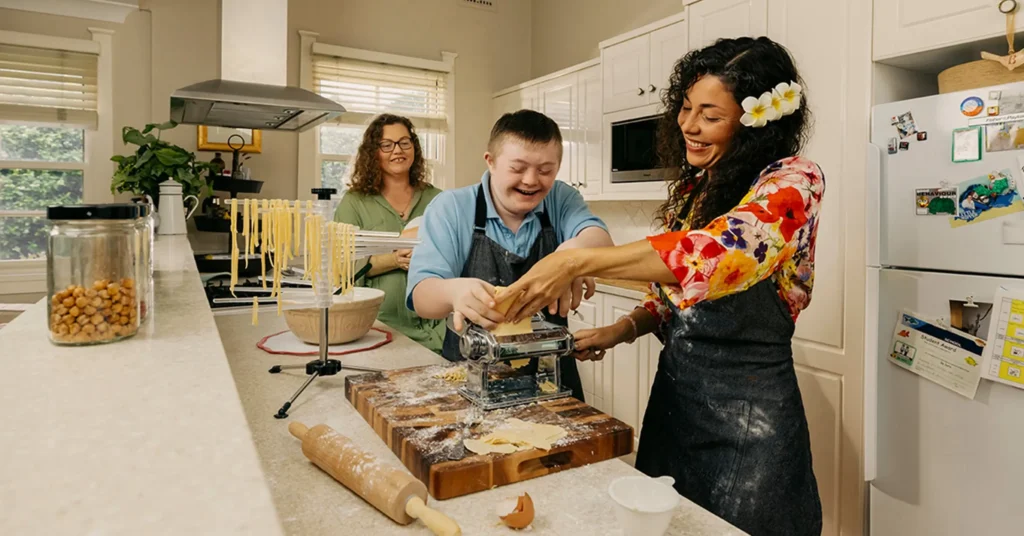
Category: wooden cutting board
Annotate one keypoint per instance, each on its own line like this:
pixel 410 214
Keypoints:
pixel 421 417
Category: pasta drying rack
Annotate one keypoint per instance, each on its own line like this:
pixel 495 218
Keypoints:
pixel 322 295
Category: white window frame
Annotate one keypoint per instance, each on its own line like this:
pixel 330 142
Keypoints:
pixel 28 276
pixel 311 161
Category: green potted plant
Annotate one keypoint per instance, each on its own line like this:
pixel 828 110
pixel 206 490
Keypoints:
pixel 155 161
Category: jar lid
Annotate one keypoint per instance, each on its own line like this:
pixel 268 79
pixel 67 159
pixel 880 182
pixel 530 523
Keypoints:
pixel 117 211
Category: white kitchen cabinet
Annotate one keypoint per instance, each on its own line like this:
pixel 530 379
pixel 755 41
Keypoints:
pixel 587 145
pixel 626 71
pixel 711 20
pixel 589 318
pixel 525 98
pixel 572 98
pixel 668 45
pixel 636 69
pixel 908 26
pixel 620 384
pixel 558 101
pixel 622 367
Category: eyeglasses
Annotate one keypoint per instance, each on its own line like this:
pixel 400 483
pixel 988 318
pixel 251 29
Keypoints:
pixel 389 146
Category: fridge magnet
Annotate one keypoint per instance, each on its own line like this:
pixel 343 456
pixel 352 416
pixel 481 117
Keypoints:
pixel 994 95
pixel 936 201
pixel 1004 353
pixel 922 136
pixel 904 145
pixel 969 316
pixel 993 110
pixel 1008 104
pixel 1004 136
pixel 967 144
pixel 905 125
pixel 939 354
pixel 972 106
pixel 986 197
pixel 893 145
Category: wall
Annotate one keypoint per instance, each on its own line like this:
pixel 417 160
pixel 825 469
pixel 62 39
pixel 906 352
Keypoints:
pixel 493 49
pixel 173 43
pixel 627 221
pixel 131 52
pixel 566 32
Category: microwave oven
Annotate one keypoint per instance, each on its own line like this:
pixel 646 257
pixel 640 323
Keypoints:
pixel 634 151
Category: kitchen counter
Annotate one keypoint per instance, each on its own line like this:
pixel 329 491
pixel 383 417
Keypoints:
pixel 309 501
pixel 172 432
pixel 142 436
pixel 621 287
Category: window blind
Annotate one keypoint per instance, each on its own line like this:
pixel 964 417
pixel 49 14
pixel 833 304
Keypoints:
pixel 367 89
pixel 47 86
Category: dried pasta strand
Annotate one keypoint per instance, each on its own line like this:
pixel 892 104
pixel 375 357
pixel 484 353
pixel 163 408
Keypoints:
pixel 255 311
pixel 298 225
pixel 234 246
pixel 305 248
pixel 245 229
pixel 263 243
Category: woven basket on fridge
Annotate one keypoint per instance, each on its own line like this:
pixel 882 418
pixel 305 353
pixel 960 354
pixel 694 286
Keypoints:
pixel 981 73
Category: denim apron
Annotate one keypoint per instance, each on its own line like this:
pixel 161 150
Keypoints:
pixel 494 264
pixel 725 417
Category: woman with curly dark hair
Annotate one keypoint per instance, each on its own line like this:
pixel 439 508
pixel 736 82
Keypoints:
pixel 732 270
pixel 388 188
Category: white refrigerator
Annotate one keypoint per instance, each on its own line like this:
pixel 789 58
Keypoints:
pixel 937 462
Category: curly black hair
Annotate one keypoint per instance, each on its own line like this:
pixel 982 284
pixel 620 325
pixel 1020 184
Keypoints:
pixel 748 67
pixel 367 178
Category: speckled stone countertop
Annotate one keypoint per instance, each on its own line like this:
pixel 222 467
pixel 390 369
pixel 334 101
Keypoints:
pixel 142 436
pixel 572 502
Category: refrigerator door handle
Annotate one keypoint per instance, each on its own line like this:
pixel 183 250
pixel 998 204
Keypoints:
pixel 871 358
pixel 873 206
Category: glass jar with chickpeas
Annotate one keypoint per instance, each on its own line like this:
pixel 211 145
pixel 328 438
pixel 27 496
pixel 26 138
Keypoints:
pixel 93 265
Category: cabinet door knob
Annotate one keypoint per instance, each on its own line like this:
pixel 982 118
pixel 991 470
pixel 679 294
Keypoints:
pixel 652 89
pixel 639 91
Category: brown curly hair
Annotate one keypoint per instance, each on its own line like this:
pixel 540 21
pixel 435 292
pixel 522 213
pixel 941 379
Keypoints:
pixel 367 178
pixel 748 67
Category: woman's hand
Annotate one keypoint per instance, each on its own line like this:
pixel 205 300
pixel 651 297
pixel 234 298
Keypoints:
pixel 591 344
pixel 548 281
pixel 473 300
pixel 403 257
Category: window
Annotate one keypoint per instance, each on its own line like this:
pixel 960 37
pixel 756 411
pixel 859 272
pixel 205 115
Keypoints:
pixel 55 142
pixel 39 167
pixel 367 84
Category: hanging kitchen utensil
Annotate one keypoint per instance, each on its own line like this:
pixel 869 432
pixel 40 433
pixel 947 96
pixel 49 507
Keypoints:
pixel 236 162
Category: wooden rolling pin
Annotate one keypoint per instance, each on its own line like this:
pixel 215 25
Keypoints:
pixel 389 489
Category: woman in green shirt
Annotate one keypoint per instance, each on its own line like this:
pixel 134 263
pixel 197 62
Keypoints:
pixel 387 189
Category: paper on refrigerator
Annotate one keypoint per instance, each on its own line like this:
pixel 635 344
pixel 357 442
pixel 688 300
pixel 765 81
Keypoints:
pixel 946 356
pixel 1004 353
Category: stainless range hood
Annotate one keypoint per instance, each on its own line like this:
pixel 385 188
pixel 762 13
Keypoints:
pixel 227 103
pixel 252 92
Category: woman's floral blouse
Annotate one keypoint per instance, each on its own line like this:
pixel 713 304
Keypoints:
pixel 770 234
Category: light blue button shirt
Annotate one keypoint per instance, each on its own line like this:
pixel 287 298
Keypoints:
pixel 446 233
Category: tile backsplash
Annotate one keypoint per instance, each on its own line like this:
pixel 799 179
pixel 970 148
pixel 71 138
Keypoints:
pixel 627 221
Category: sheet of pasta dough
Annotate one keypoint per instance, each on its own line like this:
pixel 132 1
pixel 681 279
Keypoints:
pixel 515 435
pixel 522 327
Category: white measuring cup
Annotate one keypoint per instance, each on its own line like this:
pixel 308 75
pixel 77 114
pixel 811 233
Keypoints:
pixel 644 506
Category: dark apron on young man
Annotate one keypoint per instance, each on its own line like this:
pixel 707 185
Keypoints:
pixel 725 418
pixel 494 264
